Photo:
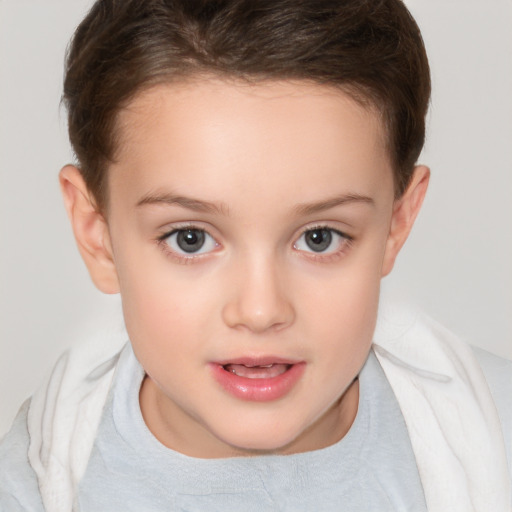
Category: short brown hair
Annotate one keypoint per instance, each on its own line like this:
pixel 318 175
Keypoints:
pixel 371 49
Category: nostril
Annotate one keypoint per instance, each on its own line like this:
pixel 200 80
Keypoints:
pixel 258 302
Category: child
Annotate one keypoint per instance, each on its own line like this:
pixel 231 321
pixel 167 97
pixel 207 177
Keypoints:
pixel 246 176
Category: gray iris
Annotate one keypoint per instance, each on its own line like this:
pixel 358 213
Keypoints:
pixel 190 240
pixel 318 240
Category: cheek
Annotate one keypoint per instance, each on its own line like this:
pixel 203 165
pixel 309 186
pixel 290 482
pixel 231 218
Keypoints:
pixel 163 327
pixel 347 294
pixel 342 310
pixel 348 325
pixel 160 306
pixel 348 320
pixel 166 304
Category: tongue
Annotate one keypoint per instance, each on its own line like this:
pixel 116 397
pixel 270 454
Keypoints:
pixel 257 372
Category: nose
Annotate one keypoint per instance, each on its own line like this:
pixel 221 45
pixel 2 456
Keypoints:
pixel 257 299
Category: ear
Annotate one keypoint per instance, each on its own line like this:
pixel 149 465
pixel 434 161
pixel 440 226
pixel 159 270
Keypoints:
pixel 90 229
pixel 405 211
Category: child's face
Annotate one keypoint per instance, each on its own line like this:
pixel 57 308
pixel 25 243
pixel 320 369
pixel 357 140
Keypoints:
pixel 249 225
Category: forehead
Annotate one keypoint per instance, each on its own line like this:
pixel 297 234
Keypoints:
pixel 273 100
pixel 199 133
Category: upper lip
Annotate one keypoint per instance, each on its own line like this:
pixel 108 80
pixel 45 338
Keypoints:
pixel 262 360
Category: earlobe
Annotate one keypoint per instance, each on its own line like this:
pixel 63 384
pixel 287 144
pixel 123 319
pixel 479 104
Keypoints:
pixel 405 211
pixel 90 229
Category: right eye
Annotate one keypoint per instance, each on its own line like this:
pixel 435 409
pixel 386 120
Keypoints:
pixel 322 240
pixel 190 241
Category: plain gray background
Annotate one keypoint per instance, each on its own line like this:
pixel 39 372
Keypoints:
pixel 456 265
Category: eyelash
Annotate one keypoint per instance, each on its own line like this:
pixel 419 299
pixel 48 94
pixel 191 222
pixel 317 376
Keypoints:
pixel 320 256
pixel 323 257
pixel 181 258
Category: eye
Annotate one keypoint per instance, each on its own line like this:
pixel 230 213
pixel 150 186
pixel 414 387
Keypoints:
pixel 190 241
pixel 321 240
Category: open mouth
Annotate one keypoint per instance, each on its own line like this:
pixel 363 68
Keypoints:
pixel 267 371
pixel 258 379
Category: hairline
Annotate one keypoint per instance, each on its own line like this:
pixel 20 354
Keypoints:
pixel 353 90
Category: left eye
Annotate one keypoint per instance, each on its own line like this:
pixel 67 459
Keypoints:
pixel 190 241
pixel 320 240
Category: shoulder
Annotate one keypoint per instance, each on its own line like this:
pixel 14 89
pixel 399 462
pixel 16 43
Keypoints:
pixel 497 371
pixel 19 490
pixel 498 374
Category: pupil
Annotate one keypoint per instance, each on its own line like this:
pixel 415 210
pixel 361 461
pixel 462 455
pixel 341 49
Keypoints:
pixel 318 239
pixel 190 240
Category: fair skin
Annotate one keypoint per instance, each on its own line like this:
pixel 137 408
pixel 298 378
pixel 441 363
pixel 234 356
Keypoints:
pixel 247 224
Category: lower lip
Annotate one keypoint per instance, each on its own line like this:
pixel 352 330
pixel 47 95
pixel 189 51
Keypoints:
pixel 258 390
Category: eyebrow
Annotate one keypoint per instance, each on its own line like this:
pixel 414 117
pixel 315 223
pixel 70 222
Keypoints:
pixel 320 206
pixel 197 205
pixel 202 206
